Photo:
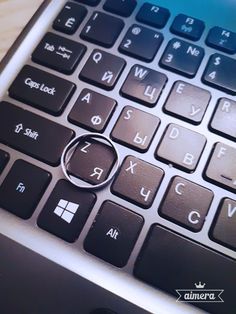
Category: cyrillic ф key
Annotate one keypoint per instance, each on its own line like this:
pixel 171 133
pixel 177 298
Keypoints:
pixel 42 90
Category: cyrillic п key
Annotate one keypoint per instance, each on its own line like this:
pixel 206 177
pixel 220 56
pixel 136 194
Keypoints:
pixel 42 90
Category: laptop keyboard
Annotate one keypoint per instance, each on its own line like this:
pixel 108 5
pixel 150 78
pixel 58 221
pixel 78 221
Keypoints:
pixel 163 207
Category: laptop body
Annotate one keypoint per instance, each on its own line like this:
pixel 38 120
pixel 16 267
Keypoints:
pixel 85 274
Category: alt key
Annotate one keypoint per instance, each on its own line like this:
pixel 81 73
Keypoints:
pixel 113 234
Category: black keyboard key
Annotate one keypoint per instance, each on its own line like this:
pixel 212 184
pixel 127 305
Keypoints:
pixel 221 167
pixel 138 181
pixel 187 27
pixel 135 128
pixel 66 211
pixel 219 73
pixel 186 203
pixel 153 15
pixel 120 7
pixel 187 102
pixel 181 147
pixel 102 69
pixel 102 29
pixel 32 134
pixel 167 261
pixel 58 53
pixel 70 18
pixel 143 85
pixel 182 57
pixel 224 117
pixel 222 39
pixel 92 161
pixel 92 110
pixel 113 234
pixel 42 90
pixel 89 2
pixel 136 41
pixel 223 229
pixel 4 157
pixel 22 189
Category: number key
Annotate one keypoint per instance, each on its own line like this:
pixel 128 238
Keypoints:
pixel 182 57
pixel 136 41
pixel 220 73
pixel 102 29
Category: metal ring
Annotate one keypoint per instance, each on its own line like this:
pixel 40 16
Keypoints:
pixel 70 148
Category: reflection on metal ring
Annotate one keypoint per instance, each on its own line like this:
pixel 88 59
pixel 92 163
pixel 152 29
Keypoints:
pixel 69 150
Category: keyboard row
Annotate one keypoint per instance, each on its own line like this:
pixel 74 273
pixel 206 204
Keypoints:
pixel 142 85
pixel 63 55
pixel 150 14
pixel 179 146
pixel 65 212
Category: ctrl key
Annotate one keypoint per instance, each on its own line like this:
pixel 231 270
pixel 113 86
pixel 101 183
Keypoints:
pixel 113 234
pixel 23 187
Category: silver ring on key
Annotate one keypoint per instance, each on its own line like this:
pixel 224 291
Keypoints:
pixel 68 152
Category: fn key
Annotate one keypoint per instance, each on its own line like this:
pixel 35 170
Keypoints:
pixel 22 189
pixel 171 263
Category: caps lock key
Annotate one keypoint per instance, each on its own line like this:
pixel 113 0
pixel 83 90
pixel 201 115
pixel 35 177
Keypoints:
pixel 42 90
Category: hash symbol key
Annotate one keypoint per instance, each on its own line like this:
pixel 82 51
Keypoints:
pixel 182 57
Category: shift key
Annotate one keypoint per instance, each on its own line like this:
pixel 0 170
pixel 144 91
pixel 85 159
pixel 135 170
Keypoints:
pixel 33 135
pixel 42 90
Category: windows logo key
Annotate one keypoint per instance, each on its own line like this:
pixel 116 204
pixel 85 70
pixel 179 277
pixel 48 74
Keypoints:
pixel 66 210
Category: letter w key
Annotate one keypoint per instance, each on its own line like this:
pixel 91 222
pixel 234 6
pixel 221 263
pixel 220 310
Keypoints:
pixel 149 91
